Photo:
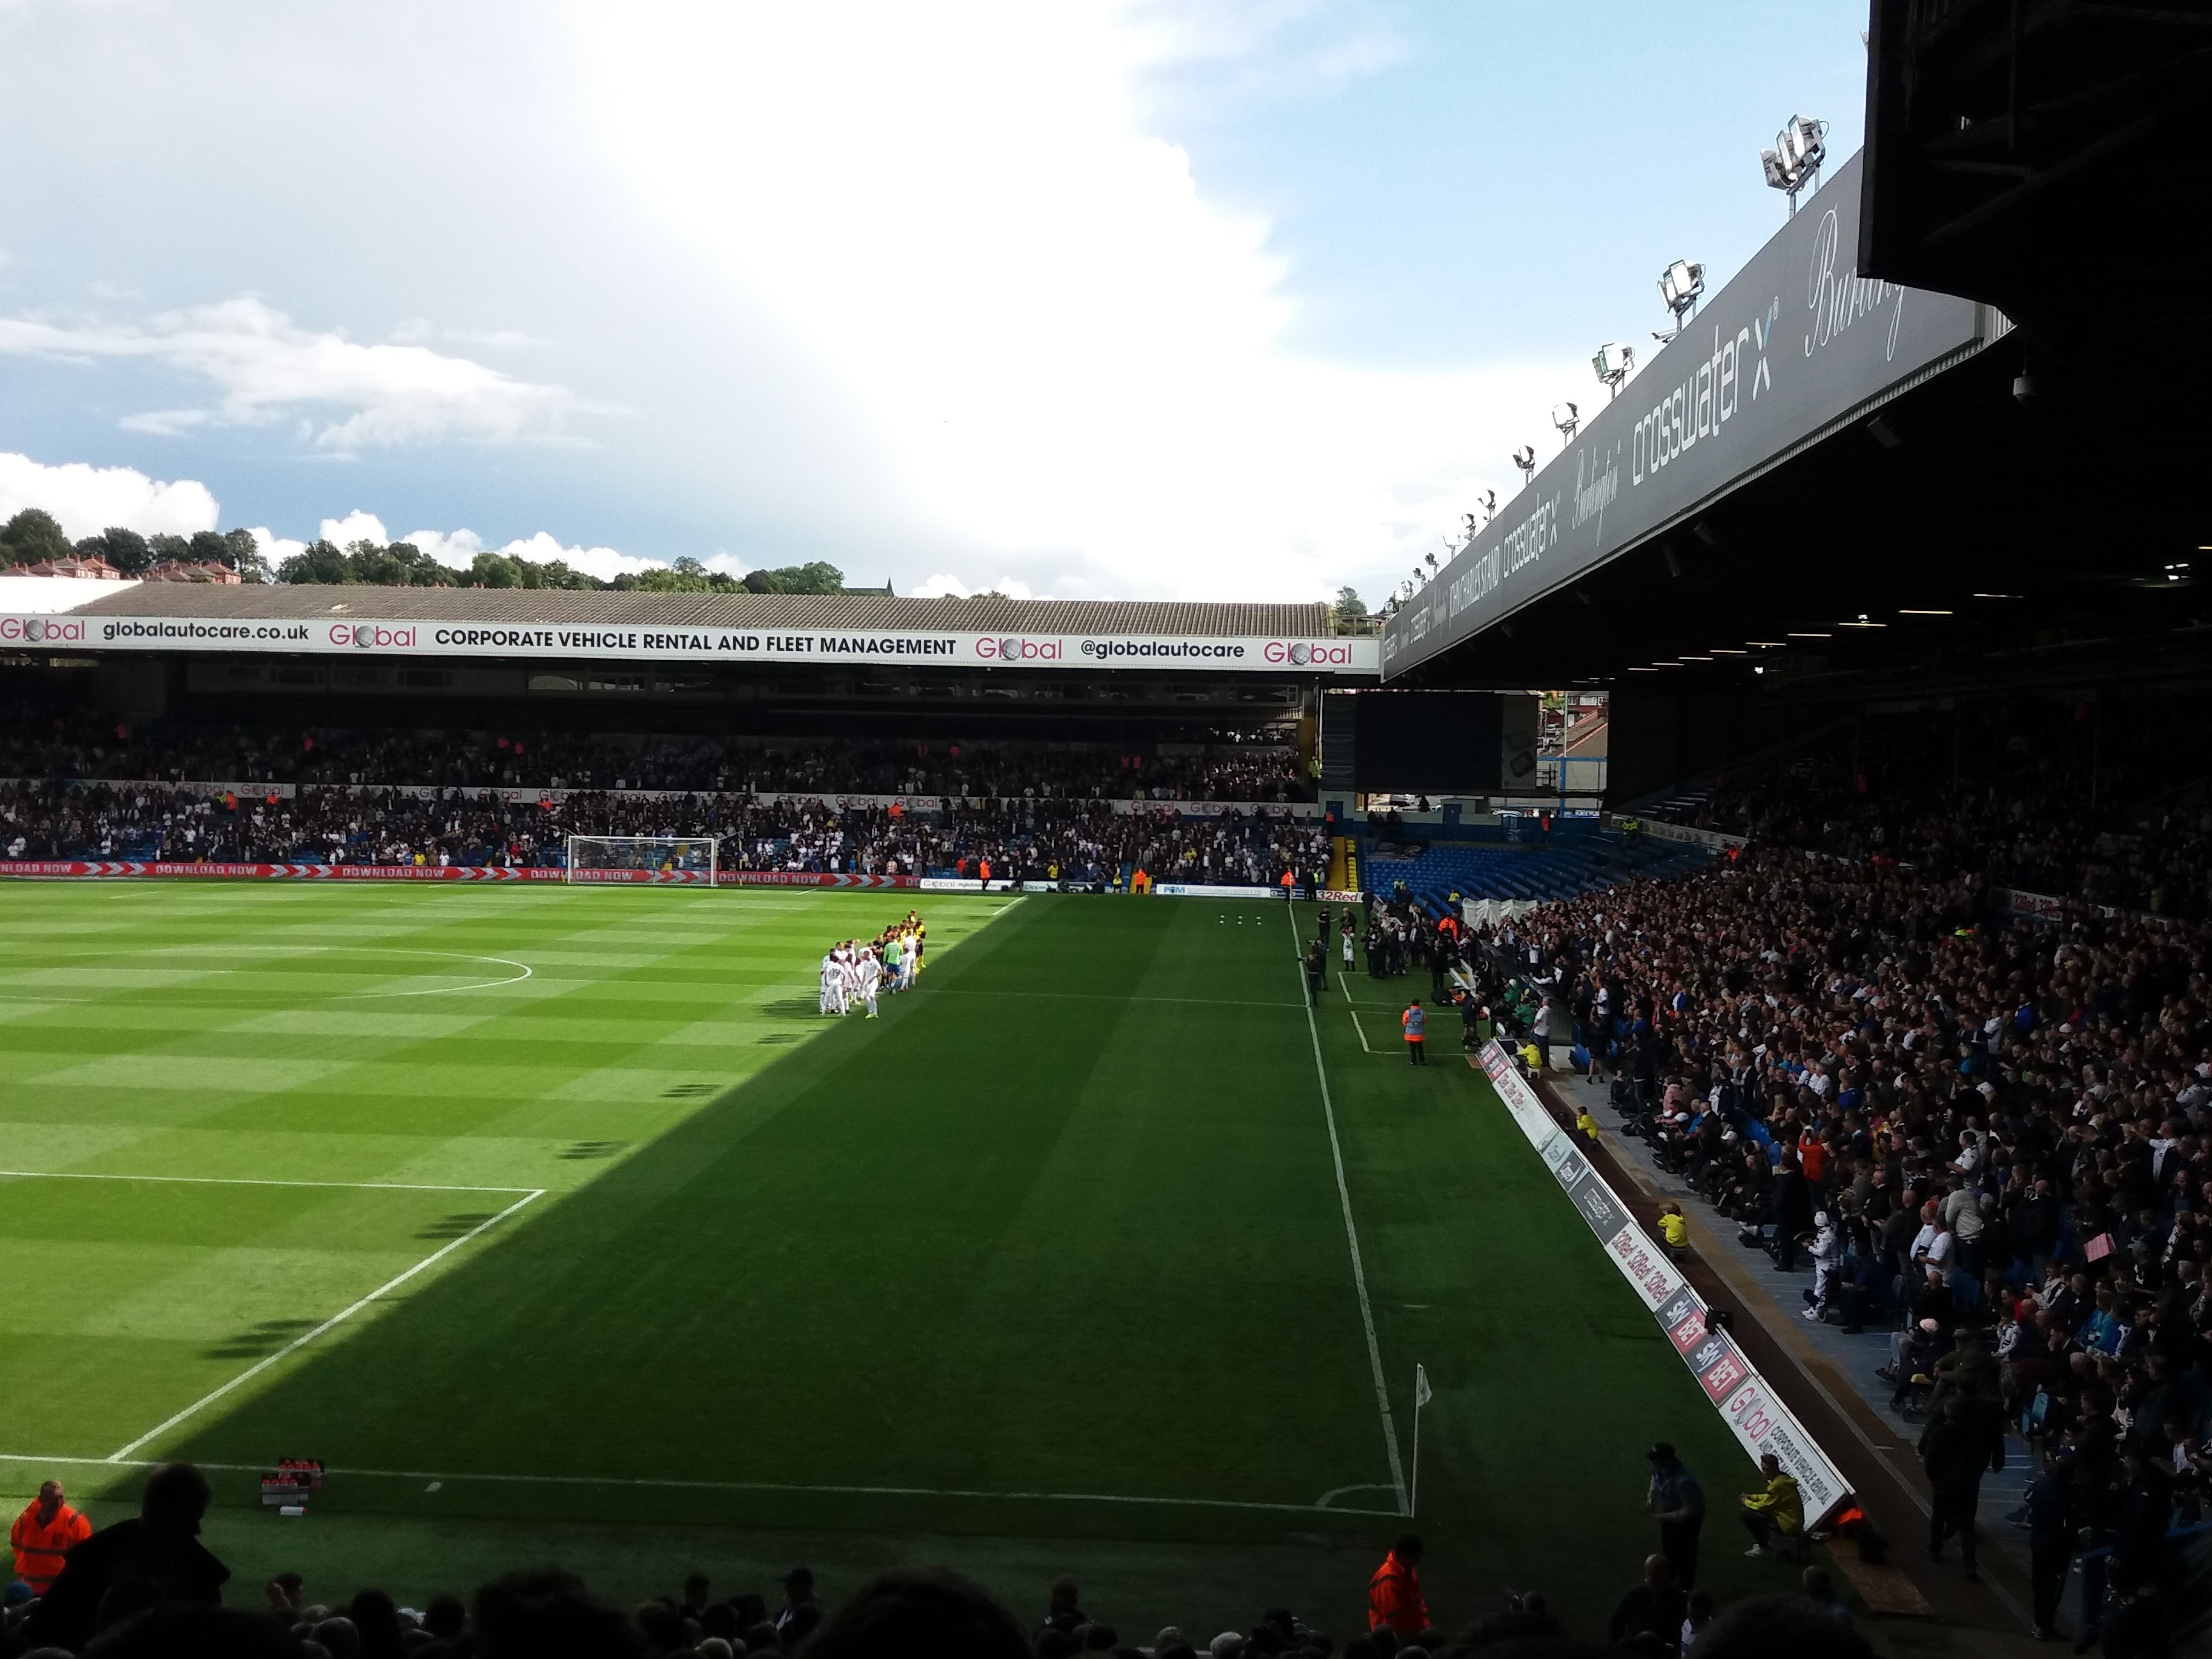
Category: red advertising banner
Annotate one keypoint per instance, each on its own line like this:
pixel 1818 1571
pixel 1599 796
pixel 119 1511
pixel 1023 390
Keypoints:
pixel 99 869
pixel 113 869
pixel 810 878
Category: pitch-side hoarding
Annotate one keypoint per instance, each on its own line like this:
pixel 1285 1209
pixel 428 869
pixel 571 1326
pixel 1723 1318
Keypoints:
pixel 1759 1421
pixel 574 643
pixel 1797 342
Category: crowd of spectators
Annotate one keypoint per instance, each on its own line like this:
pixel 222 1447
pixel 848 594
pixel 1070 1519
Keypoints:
pixel 147 1588
pixel 2063 803
pixel 1995 1141
pixel 1045 838
pixel 1224 766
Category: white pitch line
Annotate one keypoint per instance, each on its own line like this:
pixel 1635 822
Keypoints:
pixel 448 990
pixel 249 1180
pixel 640 1481
pixel 1352 1238
pixel 122 1453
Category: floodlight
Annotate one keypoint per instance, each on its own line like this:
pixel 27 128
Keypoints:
pixel 1802 143
pixel 1613 361
pixel 1488 502
pixel 1525 458
pixel 1681 286
pixel 1795 161
pixel 1566 418
pixel 1432 561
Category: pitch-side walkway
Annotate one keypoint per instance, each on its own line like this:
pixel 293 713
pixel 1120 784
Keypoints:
pixel 1840 1371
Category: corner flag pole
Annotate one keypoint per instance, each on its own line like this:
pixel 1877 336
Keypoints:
pixel 1422 1394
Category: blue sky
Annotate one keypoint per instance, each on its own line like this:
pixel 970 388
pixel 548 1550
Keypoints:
pixel 1197 300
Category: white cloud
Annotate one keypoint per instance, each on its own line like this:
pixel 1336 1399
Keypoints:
pixel 458 548
pixel 1080 366
pixel 267 368
pixel 273 549
pixel 356 526
pixel 87 500
pixel 944 584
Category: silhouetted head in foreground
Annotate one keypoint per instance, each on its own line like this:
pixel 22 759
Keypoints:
pixel 921 1613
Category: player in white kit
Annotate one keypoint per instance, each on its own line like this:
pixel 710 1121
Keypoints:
pixel 869 974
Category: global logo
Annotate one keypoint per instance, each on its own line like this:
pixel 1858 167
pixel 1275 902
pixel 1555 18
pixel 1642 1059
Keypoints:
pixel 368 636
pixel 1015 649
pixel 1303 654
pixel 42 630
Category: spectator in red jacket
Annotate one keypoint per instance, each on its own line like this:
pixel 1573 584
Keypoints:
pixel 1394 1593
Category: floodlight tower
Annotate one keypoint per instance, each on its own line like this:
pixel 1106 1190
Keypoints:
pixel 1681 285
pixel 1794 163
pixel 1613 361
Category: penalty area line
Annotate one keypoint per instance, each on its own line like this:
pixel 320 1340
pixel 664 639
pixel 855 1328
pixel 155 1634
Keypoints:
pixel 779 1487
pixel 122 1453
pixel 1352 1238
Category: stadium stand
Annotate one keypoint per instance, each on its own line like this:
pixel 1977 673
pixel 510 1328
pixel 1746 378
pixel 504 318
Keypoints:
pixel 1985 1132
pixel 1434 873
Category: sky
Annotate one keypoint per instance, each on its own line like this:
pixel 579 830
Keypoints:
pixel 1248 298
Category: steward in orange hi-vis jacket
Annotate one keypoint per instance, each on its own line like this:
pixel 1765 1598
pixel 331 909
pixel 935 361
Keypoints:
pixel 43 1534
pixel 1394 1593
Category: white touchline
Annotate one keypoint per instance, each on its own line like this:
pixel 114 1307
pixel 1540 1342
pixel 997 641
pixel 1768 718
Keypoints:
pixel 648 1481
pixel 1352 1237
pixel 253 1181
pixel 339 1318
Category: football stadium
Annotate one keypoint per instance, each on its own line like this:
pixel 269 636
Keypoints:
pixel 1652 1094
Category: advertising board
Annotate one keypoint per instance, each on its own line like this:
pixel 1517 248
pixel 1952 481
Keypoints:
pixel 1794 342
pixel 1758 1418
pixel 429 638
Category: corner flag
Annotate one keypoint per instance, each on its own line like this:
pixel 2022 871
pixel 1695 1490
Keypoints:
pixel 1422 1393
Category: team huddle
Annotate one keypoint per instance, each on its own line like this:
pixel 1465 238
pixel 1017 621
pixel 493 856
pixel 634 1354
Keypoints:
pixel 855 973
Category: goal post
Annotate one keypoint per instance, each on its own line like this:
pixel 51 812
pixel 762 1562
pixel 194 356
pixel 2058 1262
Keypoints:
pixel 671 861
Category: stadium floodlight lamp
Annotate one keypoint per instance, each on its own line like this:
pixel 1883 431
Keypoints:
pixel 1488 501
pixel 1566 418
pixel 1525 458
pixel 1612 362
pixel 1794 163
pixel 1431 560
pixel 1681 285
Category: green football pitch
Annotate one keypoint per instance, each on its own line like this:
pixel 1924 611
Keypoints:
pixel 561 1227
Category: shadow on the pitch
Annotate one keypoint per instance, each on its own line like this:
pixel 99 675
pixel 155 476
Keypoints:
pixel 259 1342
pixel 462 1366
pixel 456 1226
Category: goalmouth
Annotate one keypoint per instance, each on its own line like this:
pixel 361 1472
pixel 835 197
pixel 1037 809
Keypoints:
pixel 671 860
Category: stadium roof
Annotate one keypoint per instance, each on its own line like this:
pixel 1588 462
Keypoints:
pixel 557 606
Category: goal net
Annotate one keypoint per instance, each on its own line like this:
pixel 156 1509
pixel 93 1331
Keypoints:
pixel 665 858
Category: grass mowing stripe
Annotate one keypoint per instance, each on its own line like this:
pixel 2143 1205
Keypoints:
pixel 247 1181
pixel 1351 1235
pixel 334 1320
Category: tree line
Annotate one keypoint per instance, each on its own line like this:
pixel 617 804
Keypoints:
pixel 34 536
